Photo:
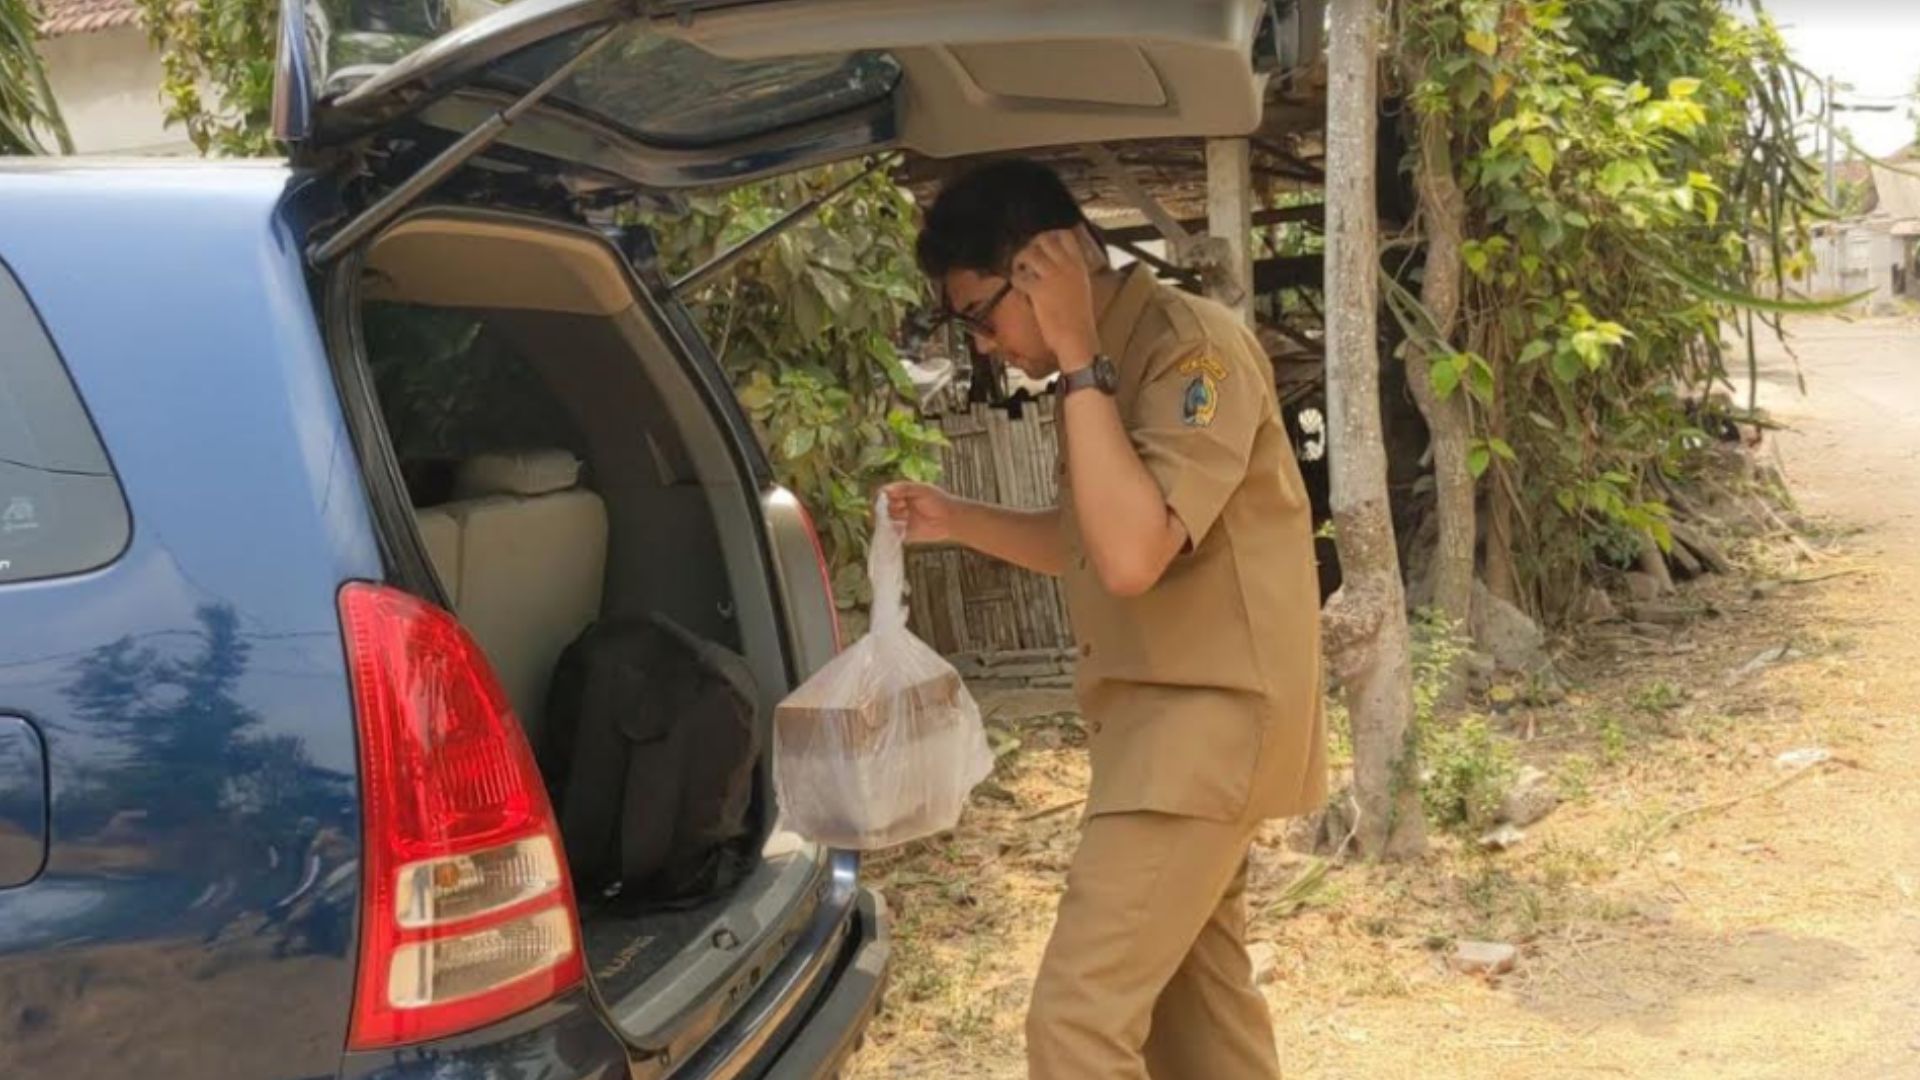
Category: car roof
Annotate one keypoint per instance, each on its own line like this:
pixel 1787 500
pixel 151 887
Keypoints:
pixel 88 163
pixel 77 174
pixel 40 193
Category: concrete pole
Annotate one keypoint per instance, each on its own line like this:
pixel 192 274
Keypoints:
pixel 1230 218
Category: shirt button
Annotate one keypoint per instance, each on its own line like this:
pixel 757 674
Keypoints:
pixel 1086 649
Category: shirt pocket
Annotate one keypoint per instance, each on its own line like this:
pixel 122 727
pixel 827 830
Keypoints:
pixel 1191 629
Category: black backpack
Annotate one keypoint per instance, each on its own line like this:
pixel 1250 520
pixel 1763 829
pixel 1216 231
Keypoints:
pixel 649 754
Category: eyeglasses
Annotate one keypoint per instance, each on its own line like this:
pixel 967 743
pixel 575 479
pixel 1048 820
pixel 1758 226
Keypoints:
pixel 980 319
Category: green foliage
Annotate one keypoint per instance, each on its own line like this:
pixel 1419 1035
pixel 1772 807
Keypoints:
pixel 1439 645
pixel 1613 739
pixel 1575 778
pixel 805 328
pixel 1658 697
pixel 229 47
pixel 449 390
pixel 1632 178
pixel 1339 732
pixel 1468 767
pixel 28 112
pixel 1852 197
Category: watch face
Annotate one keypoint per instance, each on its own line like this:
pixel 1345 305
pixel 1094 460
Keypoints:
pixel 1105 375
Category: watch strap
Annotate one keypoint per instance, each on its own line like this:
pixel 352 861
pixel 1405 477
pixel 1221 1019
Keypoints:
pixel 1090 377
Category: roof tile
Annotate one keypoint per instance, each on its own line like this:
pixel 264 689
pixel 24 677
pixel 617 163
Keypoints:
pixel 60 17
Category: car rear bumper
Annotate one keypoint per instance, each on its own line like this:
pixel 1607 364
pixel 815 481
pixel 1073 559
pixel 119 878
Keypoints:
pixel 565 1039
pixel 805 1024
pixel 834 1029
pixel 810 1014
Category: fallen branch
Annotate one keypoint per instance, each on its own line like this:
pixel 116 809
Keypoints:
pixel 1679 817
pixel 1789 531
pixel 1682 558
pixel 1805 549
pixel 1654 565
pixel 1704 549
pixel 1048 811
pixel 1828 576
pixel 1353 807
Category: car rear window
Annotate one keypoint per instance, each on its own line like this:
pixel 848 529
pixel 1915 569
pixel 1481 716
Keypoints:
pixel 654 88
pixel 669 93
pixel 449 391
pixel 61 509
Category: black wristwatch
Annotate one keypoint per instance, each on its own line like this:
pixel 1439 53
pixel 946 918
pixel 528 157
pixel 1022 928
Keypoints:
pixel 1100 375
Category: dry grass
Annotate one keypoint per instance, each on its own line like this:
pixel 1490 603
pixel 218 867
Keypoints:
pixel 1652 894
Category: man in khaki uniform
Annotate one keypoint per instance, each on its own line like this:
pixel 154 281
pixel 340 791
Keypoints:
pixel 1184 536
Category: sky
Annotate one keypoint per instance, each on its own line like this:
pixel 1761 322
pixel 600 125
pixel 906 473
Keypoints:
pixel 1872 45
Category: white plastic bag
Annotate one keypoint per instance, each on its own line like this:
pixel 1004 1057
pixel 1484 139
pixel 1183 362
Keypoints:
pixel 884 743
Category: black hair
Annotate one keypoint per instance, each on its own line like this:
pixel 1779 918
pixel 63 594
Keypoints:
pixel 980 221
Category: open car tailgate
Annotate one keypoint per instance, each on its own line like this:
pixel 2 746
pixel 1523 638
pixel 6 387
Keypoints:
pixel 694 94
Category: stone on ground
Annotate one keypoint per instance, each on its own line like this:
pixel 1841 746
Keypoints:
pixel 1484 958
pixel 1532 797
pixel 1502 838
pixel 1505 631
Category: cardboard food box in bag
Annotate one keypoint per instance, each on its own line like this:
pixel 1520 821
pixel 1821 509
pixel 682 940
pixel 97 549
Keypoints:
pixel 884 743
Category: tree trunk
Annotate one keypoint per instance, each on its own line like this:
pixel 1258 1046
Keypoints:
pixel 1443 211
pixel 1503 578
pixel 1367 618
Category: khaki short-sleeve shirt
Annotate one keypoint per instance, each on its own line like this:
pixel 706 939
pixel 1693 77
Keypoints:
pixel 1203 695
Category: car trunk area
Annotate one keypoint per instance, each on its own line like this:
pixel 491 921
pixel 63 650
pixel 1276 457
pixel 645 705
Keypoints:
pixel 564 468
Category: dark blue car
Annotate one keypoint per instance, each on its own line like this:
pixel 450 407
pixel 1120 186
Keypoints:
pixel 309 471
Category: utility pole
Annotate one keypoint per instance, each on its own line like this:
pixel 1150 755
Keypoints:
pixel 1832 109
pixel 1833 179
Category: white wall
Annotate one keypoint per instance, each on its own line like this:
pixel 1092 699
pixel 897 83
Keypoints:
pixel 108 86
pixel 1852 260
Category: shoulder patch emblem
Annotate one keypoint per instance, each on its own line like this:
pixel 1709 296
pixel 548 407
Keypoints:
pixel 1201 401
pixel 1205 372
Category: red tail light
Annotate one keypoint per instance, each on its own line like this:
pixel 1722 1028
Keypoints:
pixel 468 915
pixel 826 574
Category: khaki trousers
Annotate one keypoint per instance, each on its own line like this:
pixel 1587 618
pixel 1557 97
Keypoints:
pixel 1146 974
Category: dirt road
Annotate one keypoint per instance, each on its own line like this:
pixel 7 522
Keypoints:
pixel 1854 457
